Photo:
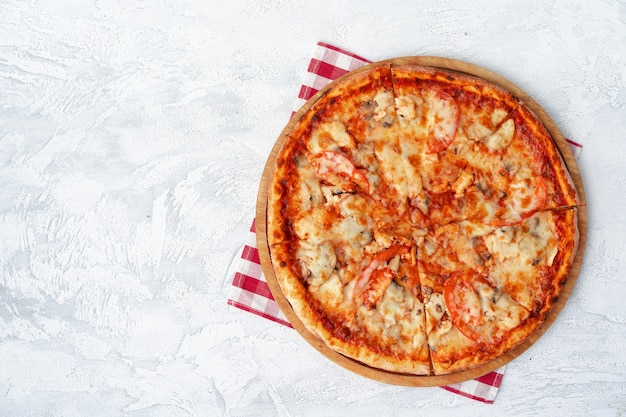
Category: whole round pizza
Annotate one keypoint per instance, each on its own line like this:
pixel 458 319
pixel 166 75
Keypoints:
pixel 420 220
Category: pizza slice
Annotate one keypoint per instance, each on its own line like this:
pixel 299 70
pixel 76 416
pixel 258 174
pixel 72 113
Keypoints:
pixel 532 259
pixel 516 172
pixel 441 115
pixel 327 150
pixel 500 179
pixel 469 320
pixel 428 117
pixel 362 297
pixel 486 288
pixel 479 153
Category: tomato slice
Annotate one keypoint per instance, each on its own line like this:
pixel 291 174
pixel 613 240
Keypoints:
pixel 463 303
pixel 377 284
pixel 529 190
pixel 373 281
pixel 339 170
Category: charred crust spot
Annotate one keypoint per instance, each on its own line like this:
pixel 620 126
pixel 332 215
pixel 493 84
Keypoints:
pixel 342 333
pixel 316 117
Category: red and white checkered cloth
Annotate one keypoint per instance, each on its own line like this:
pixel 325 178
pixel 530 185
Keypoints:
pixel 249 289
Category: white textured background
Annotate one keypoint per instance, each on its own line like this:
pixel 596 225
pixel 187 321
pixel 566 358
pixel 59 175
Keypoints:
pixel 132 139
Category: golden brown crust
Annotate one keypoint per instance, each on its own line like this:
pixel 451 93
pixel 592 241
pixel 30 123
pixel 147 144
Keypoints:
pixel 376 182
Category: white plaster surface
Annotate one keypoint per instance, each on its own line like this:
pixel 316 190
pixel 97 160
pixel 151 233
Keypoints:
pixel 132 139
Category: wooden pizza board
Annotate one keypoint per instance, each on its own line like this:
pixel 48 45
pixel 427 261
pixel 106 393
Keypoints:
pixel 407 379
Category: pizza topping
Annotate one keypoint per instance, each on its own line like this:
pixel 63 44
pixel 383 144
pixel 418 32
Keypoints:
pixel 377 276
pixel 318 263
pixel 407 275
pixel 502 137
pixel 311 225
pixel 412 176
pixel 435 308
pixel 479 311
pixel 462 182
pixel 407 107
pixel 377 283
pixel 392 167
pixel 463 302
pixel 443 119
pixel 528 191
pixel 330 136
pixel 338 170
pixel 479 124
pixel 384 110
pixel 310 191
pixel 331 291
pixel 449 172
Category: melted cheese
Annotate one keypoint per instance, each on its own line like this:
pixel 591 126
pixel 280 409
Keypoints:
pixel 443 115
pixel 411 152
pixel 499 311
pixel 502 137
pixel 478 126
pixel 312 225
pixel 331 291
pixel 525 195
pixel 462 182
pixel 391 167
pixel 319 262
pixel 409 107
pixel 429 172
pixel 384 105
pixel 403 317
pixel 508 314
pixel 435 307
pixel 533 243
pixel 353 230
pixel 329 136
pixel 310 190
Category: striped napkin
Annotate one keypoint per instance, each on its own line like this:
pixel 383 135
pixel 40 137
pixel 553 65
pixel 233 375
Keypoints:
pixel 249 290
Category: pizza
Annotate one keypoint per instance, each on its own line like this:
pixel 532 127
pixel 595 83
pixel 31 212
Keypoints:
pixel 420 220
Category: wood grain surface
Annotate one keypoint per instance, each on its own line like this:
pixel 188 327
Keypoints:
pixel 407 379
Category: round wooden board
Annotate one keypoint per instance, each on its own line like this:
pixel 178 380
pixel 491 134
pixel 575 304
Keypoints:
pixel 407 379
